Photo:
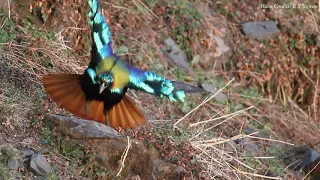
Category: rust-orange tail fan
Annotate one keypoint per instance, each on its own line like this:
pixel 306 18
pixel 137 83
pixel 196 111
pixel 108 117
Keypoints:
pixel 125 114
pixel 65 90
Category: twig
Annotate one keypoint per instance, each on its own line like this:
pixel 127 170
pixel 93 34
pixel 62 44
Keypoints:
pixel 274 140
pixel 124 155
pixel 228 116
pixel 200 129
pixel 208 142
pixel 181 119
pixel 315 90
pixel 258 175
pixel 311 170
pixel 9 9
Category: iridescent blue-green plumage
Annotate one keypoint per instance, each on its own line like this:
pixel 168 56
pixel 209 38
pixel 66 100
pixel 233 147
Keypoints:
pixel 105 66
pixel 99 93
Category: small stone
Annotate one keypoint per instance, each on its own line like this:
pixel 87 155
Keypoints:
pixel 13 163
pixel 27 153
pixel 221 97
pixel 311 158
pixel 39 164
pixel 243 141
pixel 176 54
pixel 166 170
pixel 260 30
pixel 231 146
pixel 249 130
pixel 28 141
pixel 221 47
pixel 251 149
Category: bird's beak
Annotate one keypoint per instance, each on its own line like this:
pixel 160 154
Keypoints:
pixel 102 88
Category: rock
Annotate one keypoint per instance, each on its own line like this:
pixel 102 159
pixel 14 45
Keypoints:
pixel 27 153
pixel 221 97
pixel 139 160
pixel 215 51
pixel 311 158
pixel 79 128
pixel 260 30
pixel 28 140
pixel 310 162
pixel 39 164
pixel 244 141
pixel 177 55
pixel 13 163
pixel 165 170
pixel 251 149
pixel 221 46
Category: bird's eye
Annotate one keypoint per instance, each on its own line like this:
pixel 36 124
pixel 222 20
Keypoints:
pixel 106 78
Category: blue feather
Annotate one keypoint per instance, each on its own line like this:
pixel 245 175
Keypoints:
pixel 137 78
pixel 101 33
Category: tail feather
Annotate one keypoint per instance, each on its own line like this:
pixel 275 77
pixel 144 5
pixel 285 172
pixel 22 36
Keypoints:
pixel 65 90
pixel 125 115
pixel 96 109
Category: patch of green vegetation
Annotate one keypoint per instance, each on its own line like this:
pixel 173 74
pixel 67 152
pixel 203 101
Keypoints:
pixel 74 153
pixel 47 137
pixel 186 16
pixel 276 165
pixel 179 73
pixel 188 105
pixel 6 153
pixel 54 174
pixel 250 92
pixel 183 8
pixel 252 162
pixel 34 32
pixel 77 157
pixel 8 28
pixel 15 105
pixel 221 8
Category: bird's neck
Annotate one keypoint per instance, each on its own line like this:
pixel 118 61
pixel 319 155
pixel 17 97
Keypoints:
pixel 106 65
pixel 117 68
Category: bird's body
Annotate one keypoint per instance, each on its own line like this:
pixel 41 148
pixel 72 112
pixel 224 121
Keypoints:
pixel 99 93
pixel 80 94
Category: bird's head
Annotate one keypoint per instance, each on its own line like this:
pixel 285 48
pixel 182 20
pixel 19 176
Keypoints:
pixel 105 81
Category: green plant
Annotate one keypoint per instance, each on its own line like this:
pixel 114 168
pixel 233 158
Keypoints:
pixel 8 28
pixel 7 152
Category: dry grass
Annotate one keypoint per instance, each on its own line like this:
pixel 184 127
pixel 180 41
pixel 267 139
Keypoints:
pixel 216 153
pixel 38 56
pixel 15 103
